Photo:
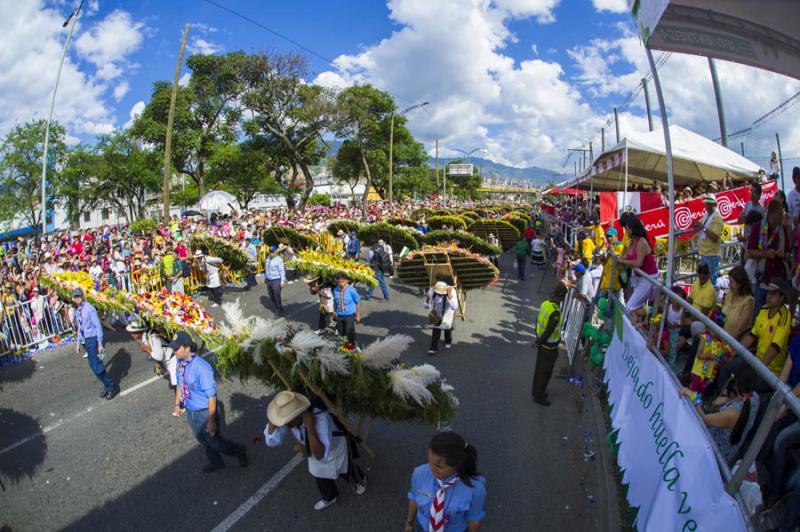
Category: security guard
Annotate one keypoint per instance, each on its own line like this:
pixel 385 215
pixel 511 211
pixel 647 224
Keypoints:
pixel 548 336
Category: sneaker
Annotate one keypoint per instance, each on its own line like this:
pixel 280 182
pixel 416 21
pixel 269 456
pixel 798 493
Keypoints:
pixel 431 352
pixel 214 305
pixel 448 346
pixel 86 355
pixel 322 504
pixel 361 488
pixel 112 394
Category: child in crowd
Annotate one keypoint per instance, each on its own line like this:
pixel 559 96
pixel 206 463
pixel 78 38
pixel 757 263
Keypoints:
pixel 674 325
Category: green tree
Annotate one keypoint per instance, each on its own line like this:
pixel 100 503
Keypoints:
pixel 363 113
pixel 21 171
pixel 207 113
pixel 79 172
pixel 290 112
pixel 346 166
pixel 242 169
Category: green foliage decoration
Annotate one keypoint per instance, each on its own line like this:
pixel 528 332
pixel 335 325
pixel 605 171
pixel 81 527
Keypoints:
pixel 145 225
pixel 464 240
pixel 397 237
pixel 437 222
pixel 286 235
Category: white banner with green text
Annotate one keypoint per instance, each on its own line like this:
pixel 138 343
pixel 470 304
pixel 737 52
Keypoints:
pixel 664 454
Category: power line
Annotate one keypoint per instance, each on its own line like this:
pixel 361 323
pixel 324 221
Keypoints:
pixel 767 117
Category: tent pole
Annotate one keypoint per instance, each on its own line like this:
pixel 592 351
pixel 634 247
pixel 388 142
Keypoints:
pixel 671 180
pixel 625 193
pixel 780 161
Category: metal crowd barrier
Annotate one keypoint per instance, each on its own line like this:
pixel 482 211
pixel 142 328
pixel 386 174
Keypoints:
pixel 781 393
pixel 31 323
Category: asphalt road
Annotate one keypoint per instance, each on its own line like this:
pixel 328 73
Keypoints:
pixel 72 461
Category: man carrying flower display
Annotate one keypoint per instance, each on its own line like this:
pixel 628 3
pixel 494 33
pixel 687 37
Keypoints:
pixel 347 307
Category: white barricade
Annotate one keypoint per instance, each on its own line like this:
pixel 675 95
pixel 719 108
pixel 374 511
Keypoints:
pixel 31 323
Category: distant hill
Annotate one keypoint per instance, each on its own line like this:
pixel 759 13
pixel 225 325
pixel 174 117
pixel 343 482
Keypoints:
pixel 539 176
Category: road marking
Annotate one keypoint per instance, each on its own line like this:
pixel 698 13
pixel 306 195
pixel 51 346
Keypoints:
pixel 123 393
pixel 262 492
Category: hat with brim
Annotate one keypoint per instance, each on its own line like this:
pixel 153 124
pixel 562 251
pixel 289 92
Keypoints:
pixel 440 288
pixel 775 285
pixel 310 280
pixel 198 253
pixel 182 339
pixel 136 326
pixel 340 233
pixel 612 231
pixel 78 292
pixel 580 268
pixel 286 406
pixel 710 200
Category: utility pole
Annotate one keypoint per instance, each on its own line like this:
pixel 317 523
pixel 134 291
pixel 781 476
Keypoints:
pixel 742 146
pixel 391 162
pixel 74 18
pixel 616 123
pixel 437 163
pixel 170 119
pixel 647 104
pixel 602 140
pixel 780 160
pixel 723 130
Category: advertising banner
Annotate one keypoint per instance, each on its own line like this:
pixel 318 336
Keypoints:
pixel 664 454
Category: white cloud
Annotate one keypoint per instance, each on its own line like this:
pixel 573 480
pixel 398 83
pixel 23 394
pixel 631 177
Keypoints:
pixel 136 112
pixel 121 90
pixel 183 81
pixel 614 6
pixel 199 45
pixel 109 42
pixel 33 42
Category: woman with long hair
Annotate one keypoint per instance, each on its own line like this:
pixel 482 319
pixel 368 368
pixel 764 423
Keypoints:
pixel 447 494
pixel 737 307
pixel 639 255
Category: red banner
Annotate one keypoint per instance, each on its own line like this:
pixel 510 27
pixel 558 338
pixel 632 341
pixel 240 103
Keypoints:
pixel 729 204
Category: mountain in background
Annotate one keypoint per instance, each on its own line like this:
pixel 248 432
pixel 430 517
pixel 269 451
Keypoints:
pixel 539 176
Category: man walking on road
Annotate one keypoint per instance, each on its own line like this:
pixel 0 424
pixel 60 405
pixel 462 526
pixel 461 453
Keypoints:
pixel 276 277
pixel 381 263
pixel 90 335
pixel 198 392
pixel 211 266
pixel 548 336
pixel 521 248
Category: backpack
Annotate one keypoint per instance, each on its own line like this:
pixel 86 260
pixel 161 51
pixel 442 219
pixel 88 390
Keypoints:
pixel 381 260
pixel 187 268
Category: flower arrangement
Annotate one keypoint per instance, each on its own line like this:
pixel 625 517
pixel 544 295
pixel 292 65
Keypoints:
pixel 170 312
pixel 371 382
pixel 286 235
pixel 397 237
pixel 471 270
pixel 347 226
pixel 102 297
pixel 235 256
pixel 516 221
pixel 438 222
pixel 464 240
pixel 502 229
pixel 327 266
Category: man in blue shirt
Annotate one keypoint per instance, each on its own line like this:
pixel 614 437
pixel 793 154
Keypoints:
pixel 275 272
pixel 198 393
pixel 353 247
pixel 252 258
pixel 90 335
pixel 347 307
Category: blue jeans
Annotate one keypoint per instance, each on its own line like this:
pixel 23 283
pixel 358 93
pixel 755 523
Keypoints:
pixel 216 444
pixel 791 520
pixel 521 266
pixel 96 365
pixel 786 440
pixel 713 265
pixel 382 283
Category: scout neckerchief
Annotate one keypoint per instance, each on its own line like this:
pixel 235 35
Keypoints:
pixel 79 318
pixel 341 299
pixel 436 521
pixel 182 374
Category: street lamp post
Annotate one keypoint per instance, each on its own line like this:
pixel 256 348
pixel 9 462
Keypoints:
pixel 73 17
pixel 391 146
pixel 467 155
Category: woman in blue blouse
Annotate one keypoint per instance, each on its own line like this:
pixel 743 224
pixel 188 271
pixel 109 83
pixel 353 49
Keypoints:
pixel 447 494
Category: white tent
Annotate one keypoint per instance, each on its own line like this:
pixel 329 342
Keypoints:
pixel 217 201
pixel 640 158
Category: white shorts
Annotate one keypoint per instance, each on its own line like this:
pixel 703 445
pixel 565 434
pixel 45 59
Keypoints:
pixel 642 290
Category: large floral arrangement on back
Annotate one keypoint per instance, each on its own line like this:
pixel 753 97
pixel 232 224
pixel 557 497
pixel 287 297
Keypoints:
pixel 371 382
pixel 234 256
pixel 327 266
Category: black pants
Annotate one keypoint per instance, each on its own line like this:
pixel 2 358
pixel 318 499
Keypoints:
pixel 346 326
pixel 324 320
pixel 274 290
pixel 251 280
pixel 215 294
pixel 437 333
pixel 545 363
pixel 327 486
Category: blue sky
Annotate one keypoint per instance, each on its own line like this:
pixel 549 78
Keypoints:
pixel 525 79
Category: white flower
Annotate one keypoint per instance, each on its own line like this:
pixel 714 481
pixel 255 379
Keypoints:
pixel 332 361
pixel 426 373
pixel 446 388
pixel 408 386
pixel 381 353
pixel 274 329
pixel 306 341
pixel 258 357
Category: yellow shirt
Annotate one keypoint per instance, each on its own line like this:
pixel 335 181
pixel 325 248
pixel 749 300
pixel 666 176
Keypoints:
pixel 588 249
pixel 704 295
pixel 599 237
pixel 605 281
pixel 769 331
pixel 707 247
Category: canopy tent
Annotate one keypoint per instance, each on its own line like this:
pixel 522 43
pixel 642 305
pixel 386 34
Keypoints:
pixel 217 201
pixel 643 155
pixel 762 34
pixel 570 191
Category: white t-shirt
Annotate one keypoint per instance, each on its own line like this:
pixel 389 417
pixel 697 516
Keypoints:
pixel 585 286
pixel 537 244
pixel 326 291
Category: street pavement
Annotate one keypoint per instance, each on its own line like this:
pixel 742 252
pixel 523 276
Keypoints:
pixel 70 460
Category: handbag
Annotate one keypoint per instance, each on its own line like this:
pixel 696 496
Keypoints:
pixel 435 318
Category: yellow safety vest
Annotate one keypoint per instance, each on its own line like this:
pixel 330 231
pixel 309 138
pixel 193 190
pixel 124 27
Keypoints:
pixel 548 307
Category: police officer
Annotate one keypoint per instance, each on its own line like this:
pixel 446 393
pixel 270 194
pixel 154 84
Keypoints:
pixel 198 393
pixel 548 336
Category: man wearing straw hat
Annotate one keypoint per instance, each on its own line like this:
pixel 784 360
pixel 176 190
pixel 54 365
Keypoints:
pixel 709 236
pixel 324 442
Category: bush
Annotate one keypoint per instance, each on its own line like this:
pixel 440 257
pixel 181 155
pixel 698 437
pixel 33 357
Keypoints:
pixel 347 226
pixel 286 235
pixel 319 199
pixel 464 240
pixel 145 225
pixel 397 237
pixel 438 222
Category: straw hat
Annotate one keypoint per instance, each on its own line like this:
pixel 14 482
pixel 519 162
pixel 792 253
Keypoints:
pixel 198 253
pixel 136 326
pixel 440 288
pixel 286 406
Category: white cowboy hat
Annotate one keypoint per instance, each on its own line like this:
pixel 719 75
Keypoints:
pixel 440 288
pixel 198 253
pixel 136 326
pixel 286 406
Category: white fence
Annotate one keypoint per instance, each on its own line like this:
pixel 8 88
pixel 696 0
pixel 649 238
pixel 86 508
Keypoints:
pixel 32 323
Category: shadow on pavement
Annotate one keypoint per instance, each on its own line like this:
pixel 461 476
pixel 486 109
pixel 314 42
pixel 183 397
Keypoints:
pixel 14 373
pixel 17 466
pixel 119 365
